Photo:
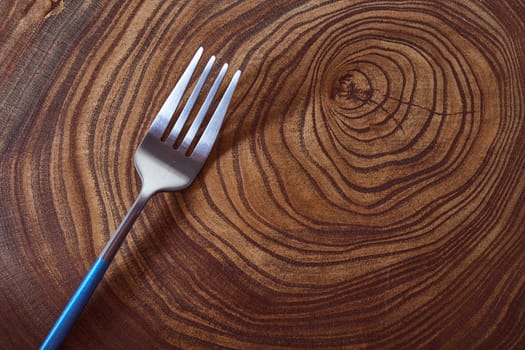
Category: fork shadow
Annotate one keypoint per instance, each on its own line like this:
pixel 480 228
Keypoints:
pixel 153 234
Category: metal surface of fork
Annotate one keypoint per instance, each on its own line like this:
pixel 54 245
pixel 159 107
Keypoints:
pixel 161 167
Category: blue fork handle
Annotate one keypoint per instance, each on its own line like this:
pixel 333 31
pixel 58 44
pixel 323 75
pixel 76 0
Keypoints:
pixel 77 302
pixel 75 306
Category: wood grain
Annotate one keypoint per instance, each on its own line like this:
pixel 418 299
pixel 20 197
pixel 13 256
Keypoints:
pixel 367 191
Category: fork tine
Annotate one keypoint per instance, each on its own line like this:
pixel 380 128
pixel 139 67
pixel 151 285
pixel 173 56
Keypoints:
pixel 203 147
pixel 181 119
pixel 203 110
pixel 170 105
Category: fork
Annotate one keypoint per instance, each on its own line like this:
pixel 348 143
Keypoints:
pixel 161 167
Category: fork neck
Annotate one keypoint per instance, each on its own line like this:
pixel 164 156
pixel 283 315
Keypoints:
pixel 111 248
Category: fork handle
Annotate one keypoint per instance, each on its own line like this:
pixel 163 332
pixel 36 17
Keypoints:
pixel 76 304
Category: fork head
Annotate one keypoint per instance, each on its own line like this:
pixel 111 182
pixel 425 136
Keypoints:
pixel 161 165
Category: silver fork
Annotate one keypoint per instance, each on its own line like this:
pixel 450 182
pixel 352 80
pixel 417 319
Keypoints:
pixel 161 167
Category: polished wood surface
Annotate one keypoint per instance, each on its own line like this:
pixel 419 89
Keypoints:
pixel 367 190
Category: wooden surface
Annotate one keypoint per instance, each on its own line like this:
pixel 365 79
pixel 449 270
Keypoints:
pixel 368 188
